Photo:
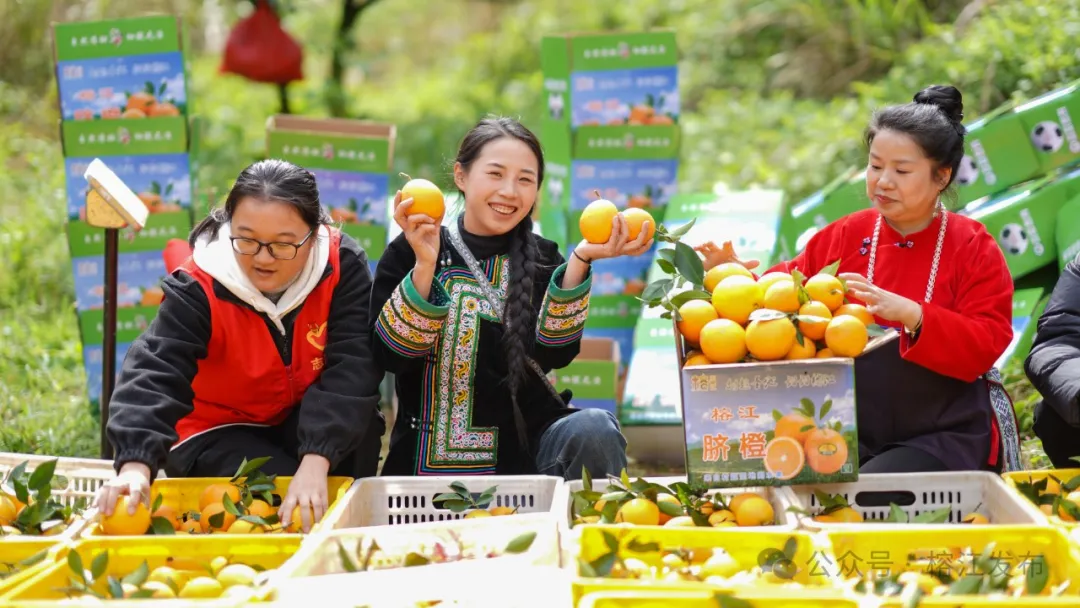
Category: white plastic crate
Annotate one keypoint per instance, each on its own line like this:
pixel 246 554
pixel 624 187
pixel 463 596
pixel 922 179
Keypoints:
pixel 964 492
pixel 381 501
pixel 780 497
pixel 84 476
pixel 318 563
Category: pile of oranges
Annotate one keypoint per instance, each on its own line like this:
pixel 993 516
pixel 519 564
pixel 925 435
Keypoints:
pixel 222 508
pixel 779 316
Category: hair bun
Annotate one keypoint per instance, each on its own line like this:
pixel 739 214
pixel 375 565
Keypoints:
pixel 946 97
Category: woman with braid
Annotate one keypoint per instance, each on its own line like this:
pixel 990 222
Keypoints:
pixel 470 317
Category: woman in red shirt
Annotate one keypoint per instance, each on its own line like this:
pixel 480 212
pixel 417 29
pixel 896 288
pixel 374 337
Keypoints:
pixel 932 400
pixel 260 348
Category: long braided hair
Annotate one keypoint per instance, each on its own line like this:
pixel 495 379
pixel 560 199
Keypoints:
pixel 519 316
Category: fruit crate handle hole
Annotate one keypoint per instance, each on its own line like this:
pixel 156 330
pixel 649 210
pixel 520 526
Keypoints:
pixel 867 498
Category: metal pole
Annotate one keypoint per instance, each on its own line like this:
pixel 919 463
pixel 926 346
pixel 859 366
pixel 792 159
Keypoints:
pixel 108 364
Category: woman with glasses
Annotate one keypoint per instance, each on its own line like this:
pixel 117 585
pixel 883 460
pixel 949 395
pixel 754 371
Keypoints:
pixel 260 348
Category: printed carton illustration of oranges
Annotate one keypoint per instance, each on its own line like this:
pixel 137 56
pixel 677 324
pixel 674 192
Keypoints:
pixel 826 451
pixel 784 458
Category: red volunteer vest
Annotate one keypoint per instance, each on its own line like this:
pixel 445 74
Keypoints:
pixel 242 380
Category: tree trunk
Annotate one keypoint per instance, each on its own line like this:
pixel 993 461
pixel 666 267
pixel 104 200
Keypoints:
pixel 335 89
pixel 283 97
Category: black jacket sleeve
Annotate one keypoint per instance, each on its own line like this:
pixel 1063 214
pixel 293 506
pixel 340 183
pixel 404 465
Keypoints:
pixel 404 326
pixel 338 409
pixel 1053 366
pixel 561 316
pixel 153 391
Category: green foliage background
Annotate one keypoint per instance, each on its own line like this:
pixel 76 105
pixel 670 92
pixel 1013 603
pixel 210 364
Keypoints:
pixel 775 93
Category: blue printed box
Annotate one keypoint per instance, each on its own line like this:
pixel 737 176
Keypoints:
pixel 642 96
pixel 93 362
pixel 624 275
pixel 136 86
pixel 354 198
pixel 138 278
pixel 162 181
pixel 627 183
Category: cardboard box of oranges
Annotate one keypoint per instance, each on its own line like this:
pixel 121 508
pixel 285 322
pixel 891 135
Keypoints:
pixel 767 376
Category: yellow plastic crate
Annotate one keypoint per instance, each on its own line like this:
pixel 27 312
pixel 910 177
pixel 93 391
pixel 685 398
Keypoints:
pixel 700 599
pixel 184 494
pixel 976 602
pixel 180 552
pixel 745 545
pixel 1062 475
pixel 13 553
pixel 886 551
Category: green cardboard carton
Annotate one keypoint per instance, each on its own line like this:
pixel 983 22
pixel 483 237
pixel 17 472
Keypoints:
pixel 351 161
pixel 610 96
pixel 1067 235
pixel 116 37
pixel 86 241
pixel 1050 122
pixel 1023 220
pixel 593 376
pixel 997 156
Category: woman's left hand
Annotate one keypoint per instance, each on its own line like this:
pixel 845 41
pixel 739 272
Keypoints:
pixel 307 490
pixel 618 244
pixel 882 303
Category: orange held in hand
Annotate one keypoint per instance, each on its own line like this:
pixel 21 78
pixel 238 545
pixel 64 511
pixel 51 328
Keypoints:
pixel 426 198
pixel 596 221
pixel 635 219
pixel 121 523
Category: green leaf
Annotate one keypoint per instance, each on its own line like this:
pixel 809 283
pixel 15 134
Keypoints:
pixel 896 514
pixel 938 516
pixel 460 488
pixel 776 415
pixel 875 331
pixel 217 520
pixel 790 547
pixel 831 269
pixel 115 590
pixel 447 496
pixel 161 526
pixel 259 488
pixel 230 506
pixel 346 561
pixel 666 266
pixel 617 496
pixel 724 600
pixel 807 408
pixel 691 294
pixel 624 477
pixel 35 558
pixel 585 569
pixel 586 479
pixel 669 508
pixel 610 540
pixel 43 474
pixel 457 506
pixel 1037 575
pixel 75 563
pixel 657 289
pixel 689 264
pixel 766 314
pixel 682 230
pixel 667 255
pixel 1072 484
pixel 967 585
pixel 825 407
pixel 142 594
pixel 602 565
pixel 21 491
pixel 416 559
pixel 607 514
pixel 99 565
pixel 636 546
pixel 797 277
pixel 138 577
pixel 157 503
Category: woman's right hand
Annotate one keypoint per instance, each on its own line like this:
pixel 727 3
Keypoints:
pixel 714 255
pixel 420 230
pixel 133 480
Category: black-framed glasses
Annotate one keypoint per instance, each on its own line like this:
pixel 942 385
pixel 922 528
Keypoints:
pixel 279 250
